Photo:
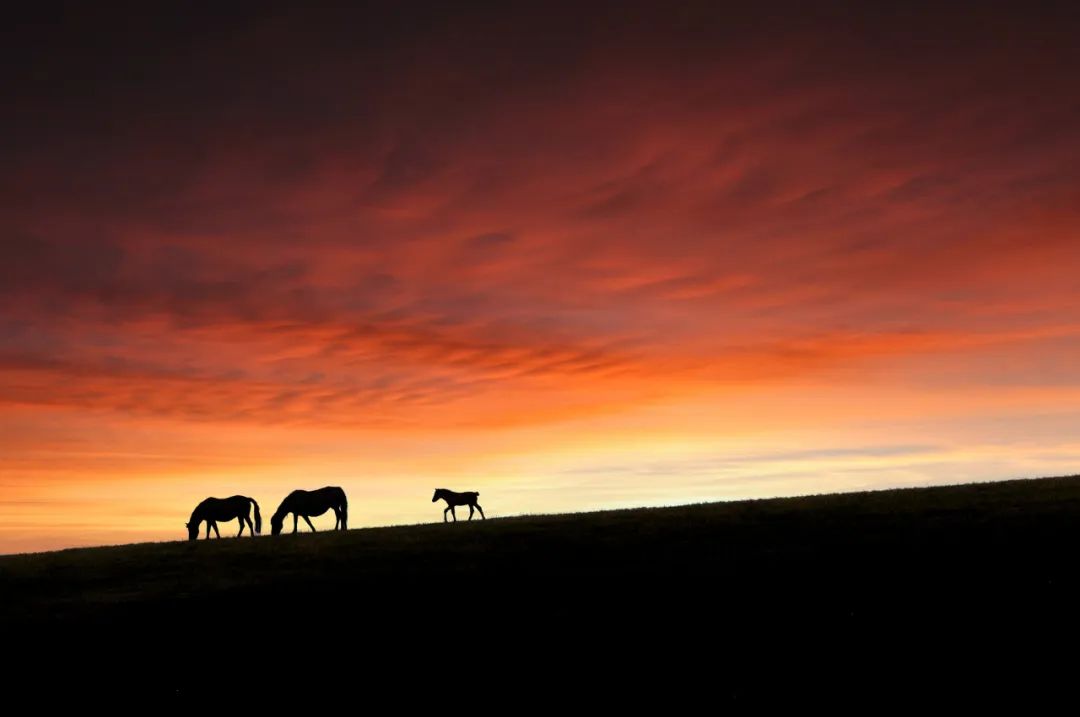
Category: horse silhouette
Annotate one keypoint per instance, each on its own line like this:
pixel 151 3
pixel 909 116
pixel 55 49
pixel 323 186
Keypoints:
pixel 455 499
pixel 214 509
pixel 306 503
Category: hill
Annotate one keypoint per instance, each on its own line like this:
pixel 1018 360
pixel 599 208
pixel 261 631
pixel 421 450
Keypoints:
pixel 716 592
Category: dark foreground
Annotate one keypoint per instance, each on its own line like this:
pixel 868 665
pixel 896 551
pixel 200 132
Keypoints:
pixel 905 591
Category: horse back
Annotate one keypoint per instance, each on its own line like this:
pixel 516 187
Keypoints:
pixel 465 498
pixel 323 498
pixel 224 508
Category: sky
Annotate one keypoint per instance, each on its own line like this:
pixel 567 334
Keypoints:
pixel 575 256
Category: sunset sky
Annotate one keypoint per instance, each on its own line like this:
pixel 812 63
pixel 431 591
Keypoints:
pixel 574 256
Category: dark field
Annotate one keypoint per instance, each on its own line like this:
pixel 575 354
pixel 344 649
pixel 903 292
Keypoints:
pixel 904 588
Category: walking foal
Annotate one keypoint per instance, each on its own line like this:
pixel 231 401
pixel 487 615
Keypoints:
pixel 455 499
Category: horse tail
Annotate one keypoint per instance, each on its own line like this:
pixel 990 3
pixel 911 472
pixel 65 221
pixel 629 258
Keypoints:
pixel 258 516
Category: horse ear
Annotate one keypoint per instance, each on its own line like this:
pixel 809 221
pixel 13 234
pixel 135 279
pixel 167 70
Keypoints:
pixel 187 525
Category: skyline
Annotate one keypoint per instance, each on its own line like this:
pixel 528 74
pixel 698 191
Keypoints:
pixel 573 257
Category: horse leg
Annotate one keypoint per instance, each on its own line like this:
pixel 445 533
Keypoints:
pixel 208 530
pixel 240 520
pixel 470 512
pixel 216 531
pixel 444 514
pixel 295 520
pixel 453 513
pixel 308 521
pixel 481 511
pixel 337 518
pixel 251 526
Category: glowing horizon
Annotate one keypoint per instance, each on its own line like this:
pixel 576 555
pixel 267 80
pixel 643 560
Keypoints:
pixel 640 258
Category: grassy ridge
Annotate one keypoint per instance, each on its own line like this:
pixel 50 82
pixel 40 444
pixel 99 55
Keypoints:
pixel 690 540
pixel 869 571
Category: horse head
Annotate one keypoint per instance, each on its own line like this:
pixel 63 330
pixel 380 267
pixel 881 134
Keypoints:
pixel 276 521
pixel 192 530
pixel 438 494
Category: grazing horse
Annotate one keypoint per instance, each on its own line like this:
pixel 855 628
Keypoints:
pixel 455 499
pixel 214 509
pixel 306 503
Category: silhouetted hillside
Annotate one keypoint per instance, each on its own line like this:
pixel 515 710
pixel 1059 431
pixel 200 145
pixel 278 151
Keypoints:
pixel 698 599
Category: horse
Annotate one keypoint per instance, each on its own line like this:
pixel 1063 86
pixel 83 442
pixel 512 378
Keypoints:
pixel 305 503
pixel 455 499
pixel 214 509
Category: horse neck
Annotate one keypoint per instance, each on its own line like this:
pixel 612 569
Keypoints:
pixel 196 515
pixel 287 506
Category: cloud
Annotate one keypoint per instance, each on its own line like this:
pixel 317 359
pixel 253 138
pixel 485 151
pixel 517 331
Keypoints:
pixel 28 262
pixel 634 210
pixel 706 466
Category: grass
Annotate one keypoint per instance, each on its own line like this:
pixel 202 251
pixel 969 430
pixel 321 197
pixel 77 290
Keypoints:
pixel 864 570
